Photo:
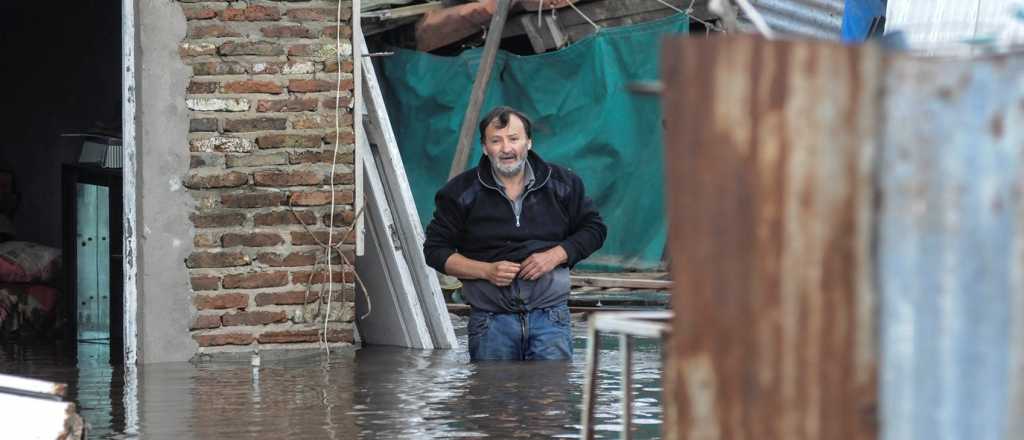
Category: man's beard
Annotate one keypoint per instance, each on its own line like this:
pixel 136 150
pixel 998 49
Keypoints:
pixel 510 170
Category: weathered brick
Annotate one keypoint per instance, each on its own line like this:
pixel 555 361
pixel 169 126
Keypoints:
pixel 217 340
pixel 205 180
pixel 318 14
pixel 205 322
pixel 254 124
pixel 253 318
pixel 303 238
pixel 217 220
pixel 205 241
pixel 286 298
pixel 284 217
pixel 205 282
pixel 319 198
pixel 202 87
pixel 219 301
pixel 316 120
pixel 293 259
pixel 256 160
pixel 191 49
pixel 324 156
pixel 331 31
pixel 203 125
pixel 345 136
pixel 298 68
pixel 254 280
pixel 196 31
pixel 287 178
pixel 296 31
pixel 342 101
pixel 251 13
pixel 307 335
pixel 261 48
pixel 218 68
pixel 320 277
pixel 341 178
pixel 223 144
pixel 286 105
pixel 206 160
pixel 310 85
pixel 341 218
pixel 253 86
pixel 253 239
pixel 217 259
pixel 331 66
pixel 199 13
pixel 217 104
pixel 289 141
pixel 252 200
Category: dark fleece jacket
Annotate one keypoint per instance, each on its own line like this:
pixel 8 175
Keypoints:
pixel 472 217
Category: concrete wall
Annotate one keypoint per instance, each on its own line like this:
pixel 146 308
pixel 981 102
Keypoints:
pixel 163 204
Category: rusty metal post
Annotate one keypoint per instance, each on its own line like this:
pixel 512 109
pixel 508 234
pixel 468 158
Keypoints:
pixel 770 147
pixel 626 351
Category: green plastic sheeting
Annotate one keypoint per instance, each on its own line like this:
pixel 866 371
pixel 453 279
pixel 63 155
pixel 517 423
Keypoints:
pixel 584 118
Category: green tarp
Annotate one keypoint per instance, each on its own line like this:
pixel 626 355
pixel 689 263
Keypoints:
pixel 584 118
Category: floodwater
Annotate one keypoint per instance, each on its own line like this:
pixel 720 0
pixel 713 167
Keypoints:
pixel 372 392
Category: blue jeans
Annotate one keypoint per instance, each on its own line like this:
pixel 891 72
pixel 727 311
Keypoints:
pixel 541 334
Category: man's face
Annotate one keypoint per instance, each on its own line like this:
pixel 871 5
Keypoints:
pixel 507 146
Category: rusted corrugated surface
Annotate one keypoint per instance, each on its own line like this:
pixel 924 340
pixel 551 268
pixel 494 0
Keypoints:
pixel 951 249
pixel 821 19
pixel 769 152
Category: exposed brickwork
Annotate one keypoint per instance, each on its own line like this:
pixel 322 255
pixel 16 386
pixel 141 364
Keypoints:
pixel 261 138
pixel 221 301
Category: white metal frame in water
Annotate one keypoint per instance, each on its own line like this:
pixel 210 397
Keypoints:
pixel 653 324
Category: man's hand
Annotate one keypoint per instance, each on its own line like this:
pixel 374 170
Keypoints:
pixel 502 273
pixel 541 263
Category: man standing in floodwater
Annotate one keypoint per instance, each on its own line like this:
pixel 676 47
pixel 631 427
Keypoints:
pixel 510 229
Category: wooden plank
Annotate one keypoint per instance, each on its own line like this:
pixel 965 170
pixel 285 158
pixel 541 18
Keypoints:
pixel 774 335
pixel 476 97
pixel 395 314
pixel 32 386
pixel 608 13
pixel 634 283
pixel 404 11
pixel 358 113
pixel 398 193
pixel 30 418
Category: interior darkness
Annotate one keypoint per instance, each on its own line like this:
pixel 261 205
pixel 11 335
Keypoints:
pixel 63 73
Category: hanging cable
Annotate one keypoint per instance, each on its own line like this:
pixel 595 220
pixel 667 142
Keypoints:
pixel 572 4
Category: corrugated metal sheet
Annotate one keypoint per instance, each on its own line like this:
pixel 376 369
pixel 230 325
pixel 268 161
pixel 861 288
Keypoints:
pixel 956 27
pixel 951 248
pixel 821 19
pixel 770 240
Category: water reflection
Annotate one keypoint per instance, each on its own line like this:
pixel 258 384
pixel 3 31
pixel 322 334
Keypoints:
pixel 375 392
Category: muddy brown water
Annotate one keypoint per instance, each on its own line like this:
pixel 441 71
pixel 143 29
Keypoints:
pixel 372 392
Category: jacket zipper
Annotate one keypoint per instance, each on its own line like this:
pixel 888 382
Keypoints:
pixel 511 203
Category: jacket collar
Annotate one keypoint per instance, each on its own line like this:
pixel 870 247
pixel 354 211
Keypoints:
pixel 541 170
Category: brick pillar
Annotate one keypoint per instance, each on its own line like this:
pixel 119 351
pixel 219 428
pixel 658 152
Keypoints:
pixel 262 130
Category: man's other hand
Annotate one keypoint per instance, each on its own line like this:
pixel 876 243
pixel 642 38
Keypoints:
pixel 541 263
pixel 502 273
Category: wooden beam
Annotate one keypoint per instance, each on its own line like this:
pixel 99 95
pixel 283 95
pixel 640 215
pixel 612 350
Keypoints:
pixel 476 98
pixel 404 11
pixel 633 283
